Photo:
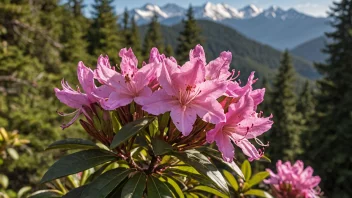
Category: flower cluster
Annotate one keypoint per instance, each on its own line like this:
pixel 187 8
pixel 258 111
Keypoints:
pixel 294 181
pixel 192 93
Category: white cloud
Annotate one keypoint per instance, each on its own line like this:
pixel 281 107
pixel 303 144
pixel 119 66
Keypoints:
pixel 312 9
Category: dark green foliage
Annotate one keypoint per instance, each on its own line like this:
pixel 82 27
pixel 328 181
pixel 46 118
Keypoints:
pixel 188 38
pixel 334 108
pixel 153 38
pixel 169 51
pixel 286 132
pixel 131 35
pixel 306 106
pixel 104 35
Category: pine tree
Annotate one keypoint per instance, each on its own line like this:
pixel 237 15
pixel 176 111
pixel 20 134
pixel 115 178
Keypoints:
pixel 285 135
pixel 104 35
pixel 332 139
pixel 306 107
pixel 153 38
pixel 135 41
pixel 265 105
pixel 169 51
pixel 188 38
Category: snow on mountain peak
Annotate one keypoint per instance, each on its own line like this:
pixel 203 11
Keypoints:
pixel 174 13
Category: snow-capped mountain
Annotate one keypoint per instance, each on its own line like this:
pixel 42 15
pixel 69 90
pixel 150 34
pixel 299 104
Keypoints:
pixel 271 26
pixel 171 13
pixel 250 11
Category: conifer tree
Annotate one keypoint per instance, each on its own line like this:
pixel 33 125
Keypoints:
pixel 332 139
pixel 104 35
pixel 306 107
pixel 135 40
pixel 266 104
pixel 285 135
pixel 153 38
pixel 189 37
pixel 169 51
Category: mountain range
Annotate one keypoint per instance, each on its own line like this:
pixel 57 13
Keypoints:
pixel 273 26
pixel 248 55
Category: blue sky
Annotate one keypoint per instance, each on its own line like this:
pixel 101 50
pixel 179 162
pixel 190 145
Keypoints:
pixel 312 7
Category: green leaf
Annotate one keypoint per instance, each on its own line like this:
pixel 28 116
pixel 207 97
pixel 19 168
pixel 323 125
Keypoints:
pixel 129 130
pixel 106 183
pixel 231 179
pixel 246 170
pixel 46 194
pixel 4 181
pixel 205 167
pixel 157 188
pixel 257 178
pixel 258 193
pixel 210 190
pixel 77 162
pixel 175 187
pixel 13 153
pixel 265 159
pixel 160 147
pixel 72 143
pixel 135 186
pixel 75 193
pixel 23 191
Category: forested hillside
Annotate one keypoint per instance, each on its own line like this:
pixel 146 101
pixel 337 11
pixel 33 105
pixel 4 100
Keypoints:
pixel 248 55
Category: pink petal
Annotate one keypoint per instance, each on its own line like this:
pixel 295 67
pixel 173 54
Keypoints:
pixel 210 110
pixel 191 73
pixel 240 110
pixel 166 78
pixel 72 98
pixel 211 89
pixel 159 102
pixel 102 92
pixel 116 100
pixel 219 68
pixel 129 62
pixel 155 56
pixel 183 117
pixel 104 74
pixel 143 94
pixel 252 127
pixel 248 149
pixel 222 141
pixel 197 53
pixel 86 79
pixel 145 74
pixel 257 96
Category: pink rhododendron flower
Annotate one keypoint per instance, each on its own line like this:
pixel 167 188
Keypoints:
pixel 293 181
pixel 129 85
pixel 242 123
pixel 76 99
pixel 186 94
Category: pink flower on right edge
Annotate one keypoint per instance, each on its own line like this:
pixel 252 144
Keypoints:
pixel 242 123
pixel 293 181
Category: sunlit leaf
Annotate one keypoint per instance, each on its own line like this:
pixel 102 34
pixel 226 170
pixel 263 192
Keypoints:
pixel 231 179
pixel 72 143
pixel 210 190
pixel 23 191
pixel 258 193
pixel 13 153
pixel 257 178
pixel 174 187
pixel 129 130
pixel 246 170
pixel 202 164
pixel 265 159
pixel 135 186
pixel 4 181
pixel 157 188
pixel 106 183
pixel 160 147
pixel 46 194
pixel 77 162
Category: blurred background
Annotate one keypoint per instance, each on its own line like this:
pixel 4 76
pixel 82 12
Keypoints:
pixel 301 52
